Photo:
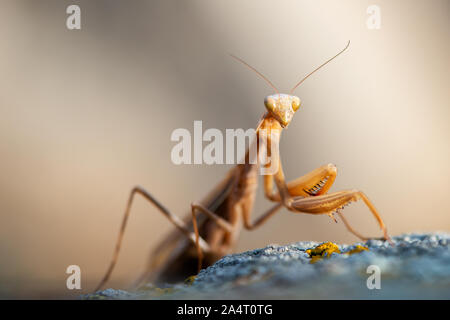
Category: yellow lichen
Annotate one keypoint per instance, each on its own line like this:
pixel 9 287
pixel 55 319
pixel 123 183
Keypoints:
pixel 314 259
pixel 189 280
pixel 357 249
pixel 327 248
pixel 162 291
pixel 322 250
pixel 154 291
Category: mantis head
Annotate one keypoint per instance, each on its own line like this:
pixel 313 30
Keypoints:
pixel 282 107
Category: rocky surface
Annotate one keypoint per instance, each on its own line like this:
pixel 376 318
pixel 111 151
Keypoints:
pixel 416 267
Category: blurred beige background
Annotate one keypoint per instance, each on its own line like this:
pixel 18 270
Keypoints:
pixel 86 115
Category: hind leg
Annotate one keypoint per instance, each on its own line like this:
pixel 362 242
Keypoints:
pixel 176 221
pixel 195 208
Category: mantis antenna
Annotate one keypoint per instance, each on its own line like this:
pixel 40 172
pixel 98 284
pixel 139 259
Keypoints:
pixel 256 71
pixel 309 74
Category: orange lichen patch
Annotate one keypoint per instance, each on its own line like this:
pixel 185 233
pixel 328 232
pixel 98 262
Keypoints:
pixel 189 280
pixel 326 249
pixel 154 291
pixel 322 250
pixel 163 291
pixel 357 249
pixel 314 259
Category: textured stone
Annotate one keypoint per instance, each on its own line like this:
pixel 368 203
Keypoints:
pixel 416 267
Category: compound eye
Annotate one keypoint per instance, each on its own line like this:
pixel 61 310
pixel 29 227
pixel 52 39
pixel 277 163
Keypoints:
pixel 269 103
pixel 295 104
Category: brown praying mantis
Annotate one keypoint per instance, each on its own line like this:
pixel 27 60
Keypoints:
pixel 212 228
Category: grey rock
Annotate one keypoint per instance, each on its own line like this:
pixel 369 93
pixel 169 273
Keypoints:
pixel 416 267
pixel 110 294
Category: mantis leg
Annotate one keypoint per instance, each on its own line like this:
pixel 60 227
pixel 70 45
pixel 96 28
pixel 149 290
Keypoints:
pixel 349 228
pixel 218 220
pixel 214 217
pixel 315 184
pixel 322 177
pixel 172 218
pixel 262 219
pixel 329 203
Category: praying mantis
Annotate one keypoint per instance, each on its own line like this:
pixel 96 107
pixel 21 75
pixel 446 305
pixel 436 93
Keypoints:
pixel 211 229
